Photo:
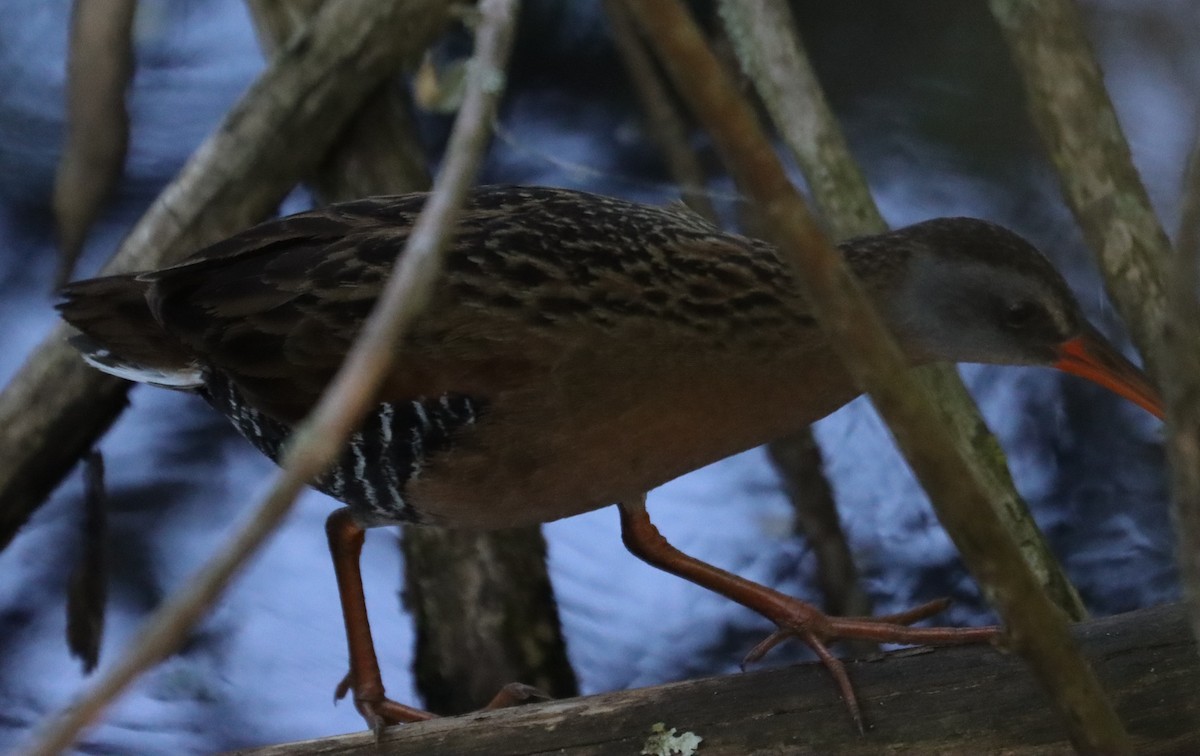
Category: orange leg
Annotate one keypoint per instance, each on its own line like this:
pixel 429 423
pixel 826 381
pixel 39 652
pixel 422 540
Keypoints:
pixel 345 545
pixel 795 618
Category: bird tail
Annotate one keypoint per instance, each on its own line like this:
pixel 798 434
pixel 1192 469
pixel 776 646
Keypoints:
pixel 119 334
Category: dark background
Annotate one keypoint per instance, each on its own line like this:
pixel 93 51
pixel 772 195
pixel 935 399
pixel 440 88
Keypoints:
pixel 933 111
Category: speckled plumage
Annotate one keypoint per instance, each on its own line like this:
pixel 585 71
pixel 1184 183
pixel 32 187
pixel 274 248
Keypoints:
pixel 603 346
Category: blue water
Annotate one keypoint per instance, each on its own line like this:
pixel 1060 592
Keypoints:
pixel 935 115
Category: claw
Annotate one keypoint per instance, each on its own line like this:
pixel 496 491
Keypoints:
pixel 381 712
pixel 792 616
pixel 915 614
pixel 838 670
pixel 377 710
pixel 515 694
pixel 764 646
pixel 342 689
pixel 815 629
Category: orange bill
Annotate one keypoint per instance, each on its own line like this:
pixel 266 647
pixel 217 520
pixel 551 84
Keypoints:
pixel 1090 356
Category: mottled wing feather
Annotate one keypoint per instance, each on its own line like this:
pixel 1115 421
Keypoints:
pixel 276 307
pixel 531 274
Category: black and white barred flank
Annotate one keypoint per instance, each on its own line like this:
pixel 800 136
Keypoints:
pixel 390 449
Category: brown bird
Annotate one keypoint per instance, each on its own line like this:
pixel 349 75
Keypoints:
pixel 578 351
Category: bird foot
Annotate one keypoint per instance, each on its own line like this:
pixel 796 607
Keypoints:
pixel 379 711
pixel 516 694
pixel 816 629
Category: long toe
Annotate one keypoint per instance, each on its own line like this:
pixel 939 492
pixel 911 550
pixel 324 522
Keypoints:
pixel 516 694
pixel 816 629
pixel 377 710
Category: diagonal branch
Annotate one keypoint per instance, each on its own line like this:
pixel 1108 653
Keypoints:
pixel 1079 128
pixel 466 649
pixel 378 151
pixel 664 122
pixel 1036 628
pixel 771 51
pixel 321 436
pixel 796 457
pixel 1180 369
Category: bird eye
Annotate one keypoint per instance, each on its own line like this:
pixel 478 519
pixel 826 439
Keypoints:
pixel 1020 315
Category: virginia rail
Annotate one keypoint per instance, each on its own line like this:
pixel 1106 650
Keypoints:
pixel 578 351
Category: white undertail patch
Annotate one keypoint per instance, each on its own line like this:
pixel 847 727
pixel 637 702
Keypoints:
pixel 107 362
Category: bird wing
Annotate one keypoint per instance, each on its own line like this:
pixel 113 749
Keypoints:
pixel 276 308
pixel 532 275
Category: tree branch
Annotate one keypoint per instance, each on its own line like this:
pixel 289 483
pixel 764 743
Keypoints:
pixel 764 35
pixel 481 601
pixel 319 438
pixel 99 69
pixel 1079 128
pixel 1180 369
pixel 56 406
pixel 796 457
pixel 1035 627
pixel 378 151
pixel 948 700
pixel 664 122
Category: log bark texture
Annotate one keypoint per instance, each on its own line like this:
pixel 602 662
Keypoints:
pixel 918 701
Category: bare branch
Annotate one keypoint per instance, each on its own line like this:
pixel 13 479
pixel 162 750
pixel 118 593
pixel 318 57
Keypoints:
pixel 321 436
pixel 1036 628
pixel 798 459
pixel 665 124
pixel 772 53
pixel 99 68
pixel 797 456
pixel 961 700
pixel 378 152
pixel 87 591
pixel 1079 127
pixel 466 648
pixel 1180 369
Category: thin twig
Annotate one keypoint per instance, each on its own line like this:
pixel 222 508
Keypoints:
pixel 99 69
pixel 56 406
pixel 378 151
pixel 87 589
pixel 320 437
pixel 796 457
pixel 664 122
pixel 764 35
pixel 1036 628
pixel 1180 370
pixel 466 648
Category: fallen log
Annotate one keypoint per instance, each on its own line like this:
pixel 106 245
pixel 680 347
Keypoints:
pixel 949 700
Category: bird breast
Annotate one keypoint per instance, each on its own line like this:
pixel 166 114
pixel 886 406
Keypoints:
pixel 606 424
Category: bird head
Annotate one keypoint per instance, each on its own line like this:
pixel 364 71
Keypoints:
pixel 965 290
